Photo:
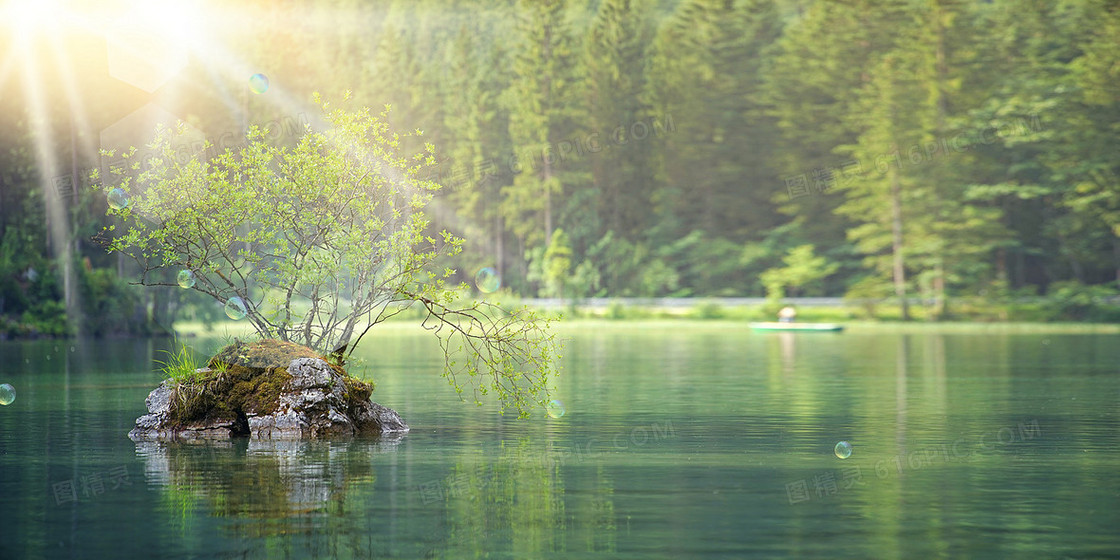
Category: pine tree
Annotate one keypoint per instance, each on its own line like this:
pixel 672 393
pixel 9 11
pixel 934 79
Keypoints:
pixel 539 103
pixel 474 165
pixel 715 183
pixel 616 95
pixel 704 73
pixel 813 80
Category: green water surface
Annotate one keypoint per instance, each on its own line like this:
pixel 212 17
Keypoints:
pixel 678 440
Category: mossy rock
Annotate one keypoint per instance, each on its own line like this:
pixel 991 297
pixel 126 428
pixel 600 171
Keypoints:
pixel 266 389
pixel 357 391
pixel 228 394
pixel 247 379
pixel 260 355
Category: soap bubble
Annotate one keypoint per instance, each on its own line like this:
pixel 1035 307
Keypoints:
pixel 118 199
pixel 258 83
pixel 487 280
pixel 7 394
pixel 235 308
pixel 843 450
pixel 185 279
pixel 555 409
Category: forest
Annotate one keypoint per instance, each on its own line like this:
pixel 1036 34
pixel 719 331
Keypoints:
pixel 933 151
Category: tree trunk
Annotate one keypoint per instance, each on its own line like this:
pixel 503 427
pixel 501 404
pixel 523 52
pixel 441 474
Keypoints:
pixel 896 242
pixel 547 202
pixel 1116 258
pixel 546 153
pixel 940 304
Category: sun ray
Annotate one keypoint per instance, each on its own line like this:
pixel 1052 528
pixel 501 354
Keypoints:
pixel 7 67
pixel 56 216
pixel 79 121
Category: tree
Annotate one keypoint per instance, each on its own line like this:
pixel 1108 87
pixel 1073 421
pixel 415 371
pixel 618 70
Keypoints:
pixel 557 264
pixel 318 243
pixel 542 68
pixel 801 269
pixel 813 79
pixel 614 49
pixel 476 136
pixel 876 198
pixel 704 74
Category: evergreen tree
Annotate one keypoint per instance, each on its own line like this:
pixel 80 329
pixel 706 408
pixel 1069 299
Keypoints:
pixel 540 109
pixel 715 179
pixel 704 73
pixel 474 164
pixel 614 53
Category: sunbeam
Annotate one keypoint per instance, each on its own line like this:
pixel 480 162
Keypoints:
pixel 56 215
pixel 168 55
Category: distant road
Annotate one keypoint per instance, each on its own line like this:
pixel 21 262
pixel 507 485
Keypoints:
pixel 603 303
pixel 685 303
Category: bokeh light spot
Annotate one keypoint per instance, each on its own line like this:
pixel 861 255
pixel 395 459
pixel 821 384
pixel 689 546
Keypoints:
pixel 7 394
pixel 258 83
pixel 235 308
pixel 185 279
pixel 118 199
pixel 487 280
pixel 555 409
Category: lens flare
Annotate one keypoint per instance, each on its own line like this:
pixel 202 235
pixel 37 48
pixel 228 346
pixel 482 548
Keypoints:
pixel 487 280
pixel 185 279
pixel 555 409
pixel 7 394
pixel 235 308
pixel 118 199
pixel 258 83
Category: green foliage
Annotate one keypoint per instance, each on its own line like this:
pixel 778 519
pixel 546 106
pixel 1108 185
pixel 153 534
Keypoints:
pixel 46 318
pixel 539 116
pixel 704 64
pixel 704 264
pixel 623 268
pixel 110 306
pixel 868 292
pixel 181 366
pixel 616 310
pixel 557 264
pixel 709 310
pixel 1073 301
pixel 802 269
pixel 323 240
pixel 683 147
pixel 488 349
pixel 317 240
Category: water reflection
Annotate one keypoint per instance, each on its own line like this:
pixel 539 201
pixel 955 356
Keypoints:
pixel 319 497
pixel 518 498
pixel 972 441
pixel 254 478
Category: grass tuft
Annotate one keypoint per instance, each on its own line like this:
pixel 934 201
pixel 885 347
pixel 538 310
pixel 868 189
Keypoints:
pixel 180 366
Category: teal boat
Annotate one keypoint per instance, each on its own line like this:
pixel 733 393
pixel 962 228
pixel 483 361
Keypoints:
pixel 809 327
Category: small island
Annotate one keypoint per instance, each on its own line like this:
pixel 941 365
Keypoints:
pixel 269 389
pixel 311 249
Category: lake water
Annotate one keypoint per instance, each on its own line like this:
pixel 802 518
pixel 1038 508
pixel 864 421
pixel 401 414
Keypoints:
pixel 679 440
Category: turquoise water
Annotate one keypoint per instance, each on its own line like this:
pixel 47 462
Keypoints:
pixel 677 440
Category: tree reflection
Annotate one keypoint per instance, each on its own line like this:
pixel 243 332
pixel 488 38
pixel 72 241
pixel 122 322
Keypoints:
pixel 516 501
pixel 324 499
pixel 267 481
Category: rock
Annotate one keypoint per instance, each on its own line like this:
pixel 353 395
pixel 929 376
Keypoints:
pixel 304 398
pixel 310 372
pixel 386 419
pixel 159 400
